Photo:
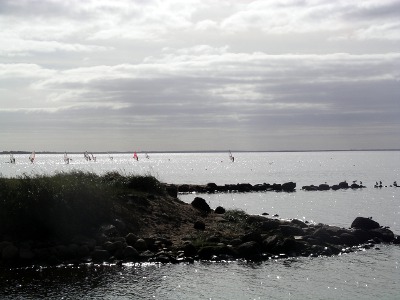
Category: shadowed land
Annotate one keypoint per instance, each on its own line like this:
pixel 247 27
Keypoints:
pixel 82 217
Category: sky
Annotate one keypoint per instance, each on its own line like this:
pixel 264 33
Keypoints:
pixel 185 75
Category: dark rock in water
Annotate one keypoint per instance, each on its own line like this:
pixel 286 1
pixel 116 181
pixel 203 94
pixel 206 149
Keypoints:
pixel 361 235
pixel 324 187
pixel 131 239
pixel 219 210
pixel 335 187
pixel 140 245
pixel 100 255
pixel 189 249
pixel 249 250
pixel 212 187
pixel 201 204
pixel 199 225
pixel 383 234
pixel 343 185
pixel 289 186
pixel 130 253
pixel 364 223
pixel 348 239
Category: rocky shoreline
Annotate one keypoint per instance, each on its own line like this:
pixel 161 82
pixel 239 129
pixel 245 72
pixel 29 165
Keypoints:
pixel 166 230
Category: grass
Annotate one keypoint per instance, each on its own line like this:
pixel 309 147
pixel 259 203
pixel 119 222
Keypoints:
pixel 65 204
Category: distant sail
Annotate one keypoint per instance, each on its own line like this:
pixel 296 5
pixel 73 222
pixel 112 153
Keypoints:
pixel 32 157
pixel 231 156
pixel 66 158
pixel 135 156
pixel 12 158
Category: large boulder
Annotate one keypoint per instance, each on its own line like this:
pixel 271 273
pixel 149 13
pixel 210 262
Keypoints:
pixel 201 204
pixel 289 186
pixel 364 223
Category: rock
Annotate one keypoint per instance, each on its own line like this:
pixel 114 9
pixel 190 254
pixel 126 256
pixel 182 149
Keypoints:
pixel 201 204
pixel 269 224
pixel 140 245
pixel 324 187
pixel 249 250
pixel 288 186
pixel 212 187
pixel 199 225
pixel 348 239
pixel 219 210
pixel 364 223
pixel 189 249
pixel 130 253
pixel 131 239
pixel 343 185
pixel 252 236
pixel 100 255
pixel 299 223
pixel 291 230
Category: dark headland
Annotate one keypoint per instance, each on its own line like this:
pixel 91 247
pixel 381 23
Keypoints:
pixel 86 218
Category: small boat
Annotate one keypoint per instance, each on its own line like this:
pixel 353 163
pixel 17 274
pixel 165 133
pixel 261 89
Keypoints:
pixel 32 157
pixel 147 156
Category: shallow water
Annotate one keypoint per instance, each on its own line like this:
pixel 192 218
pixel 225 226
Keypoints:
pixel 371 274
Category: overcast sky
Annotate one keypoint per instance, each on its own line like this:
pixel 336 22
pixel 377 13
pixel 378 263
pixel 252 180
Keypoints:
pixel 125 75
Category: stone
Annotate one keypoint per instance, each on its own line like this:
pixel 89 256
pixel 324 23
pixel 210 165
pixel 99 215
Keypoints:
pixel 130 253
pixel 201 204
pixel 131 239
pixel 364 223
pixel 249 250
pixel 140 245
pixel 289 186
pixel 219 210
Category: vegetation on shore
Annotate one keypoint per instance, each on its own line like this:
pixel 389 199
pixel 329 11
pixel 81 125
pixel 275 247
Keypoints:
pixel 66 204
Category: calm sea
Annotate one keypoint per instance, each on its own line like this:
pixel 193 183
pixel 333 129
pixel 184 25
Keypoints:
pixel 371 274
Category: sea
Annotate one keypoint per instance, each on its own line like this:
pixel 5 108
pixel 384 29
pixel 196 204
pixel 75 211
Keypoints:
pixel 364 274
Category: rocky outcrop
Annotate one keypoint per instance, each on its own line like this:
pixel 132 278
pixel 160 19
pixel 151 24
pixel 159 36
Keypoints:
pixel 325 187
pixel 235 188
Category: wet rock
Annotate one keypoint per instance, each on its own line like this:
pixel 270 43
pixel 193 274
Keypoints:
pixel 189 249
pixel 201 204
pixel 130 253
pixel 289 186
pixel 343 185
pixel 140 245
pixel 364 223
pixel 131 239
pixel 324 187
pixel 249 250
pixel 219 210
